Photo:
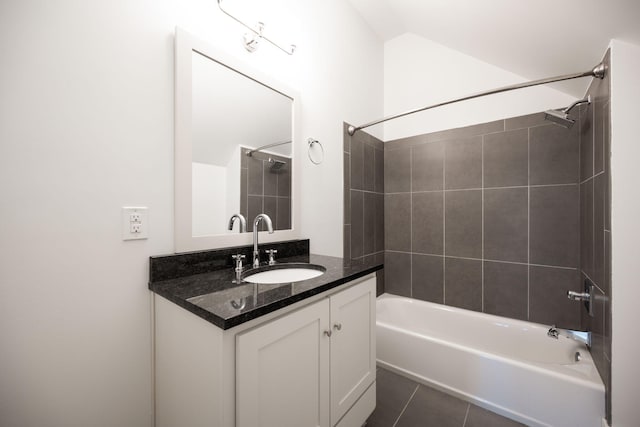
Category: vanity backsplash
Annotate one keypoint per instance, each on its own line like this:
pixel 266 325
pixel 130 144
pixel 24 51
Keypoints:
pixel 166 267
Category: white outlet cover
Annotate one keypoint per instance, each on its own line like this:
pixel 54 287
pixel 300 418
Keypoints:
pixel 143 212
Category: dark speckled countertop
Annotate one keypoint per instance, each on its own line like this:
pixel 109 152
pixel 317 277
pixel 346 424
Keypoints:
pixel 214 297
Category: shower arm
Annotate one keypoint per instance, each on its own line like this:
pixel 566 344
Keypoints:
pixel 598 71
pixel 586 100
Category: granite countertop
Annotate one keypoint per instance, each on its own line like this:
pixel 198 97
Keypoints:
pixel 214 297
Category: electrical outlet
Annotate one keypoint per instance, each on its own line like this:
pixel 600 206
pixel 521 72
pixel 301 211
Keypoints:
pixel 135 223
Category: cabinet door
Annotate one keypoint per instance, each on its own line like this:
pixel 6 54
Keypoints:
pixel 282 371
pixel 353 345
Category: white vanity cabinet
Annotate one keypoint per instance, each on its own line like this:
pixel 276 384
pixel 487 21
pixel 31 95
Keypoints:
pixel 353 350
pixel 282 371
pixel 309 367
pixel 309 364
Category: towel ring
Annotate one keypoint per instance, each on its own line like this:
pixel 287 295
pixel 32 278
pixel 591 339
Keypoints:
pixel 314 158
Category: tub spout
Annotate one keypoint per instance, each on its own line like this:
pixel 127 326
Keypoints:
pixel 581 336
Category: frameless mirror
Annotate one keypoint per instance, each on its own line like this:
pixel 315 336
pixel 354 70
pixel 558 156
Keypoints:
pixel 234 147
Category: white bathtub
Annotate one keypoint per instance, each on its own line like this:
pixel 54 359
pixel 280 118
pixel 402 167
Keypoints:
pixel 507 366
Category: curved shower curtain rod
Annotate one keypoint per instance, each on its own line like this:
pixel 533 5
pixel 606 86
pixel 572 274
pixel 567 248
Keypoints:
pixel 597 71
pixel 264 147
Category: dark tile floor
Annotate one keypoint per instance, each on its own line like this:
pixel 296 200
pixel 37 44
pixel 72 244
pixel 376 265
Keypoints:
pixel 402 402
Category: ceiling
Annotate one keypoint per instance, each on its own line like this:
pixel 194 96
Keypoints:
pixel 534 39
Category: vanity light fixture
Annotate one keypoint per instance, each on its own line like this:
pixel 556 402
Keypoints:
pixel 252 39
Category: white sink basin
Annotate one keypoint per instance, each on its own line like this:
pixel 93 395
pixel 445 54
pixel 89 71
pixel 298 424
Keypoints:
pixel 286 274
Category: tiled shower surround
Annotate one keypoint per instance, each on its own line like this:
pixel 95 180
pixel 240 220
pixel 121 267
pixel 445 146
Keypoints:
pixel 487 218
pixel 502 217
pixel 364 198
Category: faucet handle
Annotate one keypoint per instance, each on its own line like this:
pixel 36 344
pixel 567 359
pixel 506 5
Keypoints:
pixel 238 270
pixel 272 256
pixel 238 259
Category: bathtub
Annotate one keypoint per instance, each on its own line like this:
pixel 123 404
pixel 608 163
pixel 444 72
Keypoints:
pixel 507 366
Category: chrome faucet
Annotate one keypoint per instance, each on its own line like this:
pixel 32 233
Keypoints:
pixel 580 336
pixel 243 222
pixel 256 222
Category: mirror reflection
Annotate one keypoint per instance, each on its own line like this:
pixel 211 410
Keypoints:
pixel 241 149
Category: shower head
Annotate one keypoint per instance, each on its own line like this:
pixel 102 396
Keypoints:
pixel 559 117
pixel 276 165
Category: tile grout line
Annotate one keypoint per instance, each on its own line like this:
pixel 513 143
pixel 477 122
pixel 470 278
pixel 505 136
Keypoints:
pixel 528 223
pixel 405 406
pixel 399 144
pixel 277 177
pixel 593 188
pixel 593 281
pixel 485 260
pixel 367 255
pixel 593 139
pixel 262 210
pixel 580 196
pixel 363 186
pixel 490 188
pixel 466 415
pixel 444 223
pixel 375 192
pixel 482 223
pixel 375 205
pixel 348 188
pixel 273 197
pixel 246 188
pixel 351 193
pixel 592 177
pixel 411 221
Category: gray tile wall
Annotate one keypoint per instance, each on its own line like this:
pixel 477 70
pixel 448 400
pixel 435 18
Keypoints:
pixel 503 217
pixel 364 198
pixel 595 225
pixel 265 190
pixel 486 218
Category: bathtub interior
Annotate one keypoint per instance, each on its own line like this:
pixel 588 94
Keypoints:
pixel 517 371
pixel 502 337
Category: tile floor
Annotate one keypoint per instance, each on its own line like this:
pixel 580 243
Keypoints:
pixel 402 402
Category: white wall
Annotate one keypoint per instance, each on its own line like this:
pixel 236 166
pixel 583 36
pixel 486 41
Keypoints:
pixel 86 127
pixel 341 81
pixel 419 72
pixel 625 233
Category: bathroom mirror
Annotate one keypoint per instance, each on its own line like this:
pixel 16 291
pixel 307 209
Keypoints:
pixel 225 110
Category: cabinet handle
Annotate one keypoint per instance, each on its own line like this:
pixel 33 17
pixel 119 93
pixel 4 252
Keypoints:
pixel 337 326
pixel 328 333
